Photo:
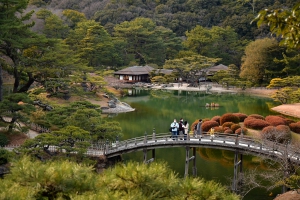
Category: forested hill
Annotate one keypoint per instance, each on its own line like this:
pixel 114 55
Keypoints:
pixel 178 15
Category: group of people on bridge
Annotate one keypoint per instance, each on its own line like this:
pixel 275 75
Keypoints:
pixel 181 130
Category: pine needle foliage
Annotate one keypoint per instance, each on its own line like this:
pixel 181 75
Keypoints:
pixel 132 181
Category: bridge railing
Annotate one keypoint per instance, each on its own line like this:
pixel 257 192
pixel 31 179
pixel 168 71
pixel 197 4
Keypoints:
pixel 152 138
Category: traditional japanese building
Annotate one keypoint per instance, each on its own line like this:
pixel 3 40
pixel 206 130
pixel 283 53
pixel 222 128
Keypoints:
pixel 135 74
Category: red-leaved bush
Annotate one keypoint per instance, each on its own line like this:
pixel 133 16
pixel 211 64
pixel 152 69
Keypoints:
pixel 218 129
pixel 229 117
pixel 216 118
pixel 228 131
pixel 275 120
pixel 295 127
pixel 225 128
pixel 228 124
pixel 254 123
pixel 256 116
pixel 239 131
pixel 207 125
pixel 241 116
pixel 234 127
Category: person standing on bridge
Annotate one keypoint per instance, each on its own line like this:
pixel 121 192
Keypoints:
pixel 199 129
pixel 175 127
pixel 186 129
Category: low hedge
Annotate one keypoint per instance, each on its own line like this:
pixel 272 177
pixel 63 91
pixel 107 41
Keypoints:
pixel 229 117
pixel 239 131
pixel 207 125
pixel 276 120
pixel 254 123
pixel 234 127
pixel 228 131
pixel 216 118
pixel 256 116
pixel 241 116
pixel 295 127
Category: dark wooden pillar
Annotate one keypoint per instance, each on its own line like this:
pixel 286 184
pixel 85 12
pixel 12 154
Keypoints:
pixel 194 162
pixel 238 164
pixel 187 161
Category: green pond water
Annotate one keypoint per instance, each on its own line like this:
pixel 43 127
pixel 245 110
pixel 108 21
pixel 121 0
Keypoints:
pixel 156 109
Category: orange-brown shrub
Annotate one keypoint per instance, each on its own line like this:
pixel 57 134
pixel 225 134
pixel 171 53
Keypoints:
pixel 241 116
pixel 229 117
pixel 239 131
pixel 256 116
pixel 218 129
pixel 228 131
pixel 216 118
pixel 234 127
pixel 225 128
pixel 275 120
pixel 295 127
pixel 279 134
pixel 207 125
pixel 228 124
pixel 257 124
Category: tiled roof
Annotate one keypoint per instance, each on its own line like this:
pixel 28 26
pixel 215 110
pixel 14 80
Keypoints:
pixel 135 70
pixel 217 68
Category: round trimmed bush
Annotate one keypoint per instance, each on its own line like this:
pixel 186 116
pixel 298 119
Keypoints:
pixel 229 117
pixel 241 116
pixel 228 131
pixel 3 140
pixel 254 123
pixel 275 120
pixel 207 125
pixel 216 118
pixel 218 129
pixel 239 131
pixel 295 127
pixel 234 127
pixel 256 116
pixel 228 124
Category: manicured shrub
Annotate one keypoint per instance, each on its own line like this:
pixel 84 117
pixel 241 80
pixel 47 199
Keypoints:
pixel 228 124
pixel 3 140
pixel 241 116
pixel 234 127
pixel 256 116
pixel 207 125
pixel 225 128
pixel 219 129
pixel 228 131
pixel 254 123
pixel 216 118
pixel 275 120
pixel 279 133
pixel 239 131
pixel 229 117
pixel 295 127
